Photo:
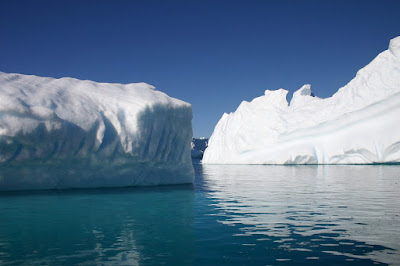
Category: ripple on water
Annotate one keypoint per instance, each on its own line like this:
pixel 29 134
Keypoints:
pixel 349 212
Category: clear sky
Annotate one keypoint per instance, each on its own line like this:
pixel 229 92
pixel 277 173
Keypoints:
pixel 212 54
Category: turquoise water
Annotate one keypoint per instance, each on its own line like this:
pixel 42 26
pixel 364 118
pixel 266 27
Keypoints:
pixel 233 215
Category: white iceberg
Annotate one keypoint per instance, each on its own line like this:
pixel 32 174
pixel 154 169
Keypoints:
pixel 68 133
pixel 359 124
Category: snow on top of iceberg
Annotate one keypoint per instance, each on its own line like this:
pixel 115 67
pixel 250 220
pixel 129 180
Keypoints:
pixel 78 101
pixel 265 123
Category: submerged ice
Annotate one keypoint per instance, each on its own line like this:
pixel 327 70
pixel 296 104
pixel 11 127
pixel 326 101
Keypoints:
pixel 63 133
pixel 359 124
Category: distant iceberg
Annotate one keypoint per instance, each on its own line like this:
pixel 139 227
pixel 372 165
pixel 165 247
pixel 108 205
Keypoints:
pixel 359 124
pixel 198 145
pixel 68 133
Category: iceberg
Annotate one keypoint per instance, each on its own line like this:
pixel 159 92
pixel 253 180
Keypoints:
pixel 70 133
pixel 200 143
pixel 359 124
pixel 198 147
pixel 196 154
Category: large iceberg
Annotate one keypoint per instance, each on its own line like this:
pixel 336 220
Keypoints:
pixel 69 133
pixel 359 124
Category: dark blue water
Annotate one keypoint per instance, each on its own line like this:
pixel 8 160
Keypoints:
pixel 234 215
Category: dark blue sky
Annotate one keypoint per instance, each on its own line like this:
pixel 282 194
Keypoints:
pixel 213 54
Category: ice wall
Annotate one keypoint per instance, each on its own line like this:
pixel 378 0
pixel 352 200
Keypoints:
pixel 69 133
pixel 359 124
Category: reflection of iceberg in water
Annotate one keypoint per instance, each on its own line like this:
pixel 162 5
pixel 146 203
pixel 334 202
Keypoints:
pixel 130 226
pixel 350 211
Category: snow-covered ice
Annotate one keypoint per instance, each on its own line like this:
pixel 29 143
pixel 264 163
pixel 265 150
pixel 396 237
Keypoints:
pixel 359 124
pixel 69 133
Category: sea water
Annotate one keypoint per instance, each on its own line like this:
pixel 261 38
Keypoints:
pixel 232 215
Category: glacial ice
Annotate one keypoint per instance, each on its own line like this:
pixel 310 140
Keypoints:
pixel 69 133
pixel 359 124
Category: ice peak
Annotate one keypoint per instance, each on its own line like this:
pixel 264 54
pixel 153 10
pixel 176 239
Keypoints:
pixel 301 96
pixel 276 97
pixel 305 90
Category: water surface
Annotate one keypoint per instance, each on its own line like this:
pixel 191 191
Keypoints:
pixel 300 214
pixel 238 215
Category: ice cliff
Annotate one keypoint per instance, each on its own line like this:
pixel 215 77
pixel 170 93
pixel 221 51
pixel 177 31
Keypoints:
pixel 359 124
pixel 69 133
